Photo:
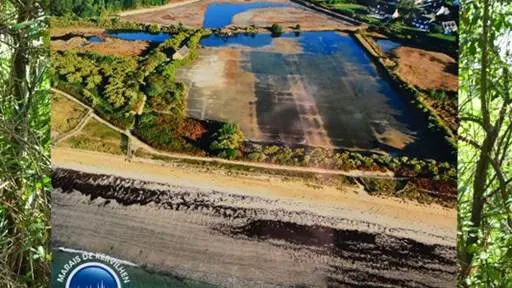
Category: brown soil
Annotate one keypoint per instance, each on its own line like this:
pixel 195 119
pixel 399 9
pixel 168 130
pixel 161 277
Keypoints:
pixel 285 46
pixel 375 35
pixel 216 81
pixel 110 46
pixel 288 17
pixel 79 31
pixel 426 69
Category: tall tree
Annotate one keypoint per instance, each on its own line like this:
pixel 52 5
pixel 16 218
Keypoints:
pixel 485 169
pixel 24 145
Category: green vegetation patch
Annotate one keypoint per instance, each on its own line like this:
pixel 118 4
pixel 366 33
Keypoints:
pixel 121 88
pixel 96 136
pixel 89 8
pixel 422 190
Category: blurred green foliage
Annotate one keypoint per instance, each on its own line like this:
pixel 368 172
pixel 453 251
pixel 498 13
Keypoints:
pixel 485 167
pixel 24 145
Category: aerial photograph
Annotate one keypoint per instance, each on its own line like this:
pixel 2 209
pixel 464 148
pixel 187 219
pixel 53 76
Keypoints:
pixel 256 143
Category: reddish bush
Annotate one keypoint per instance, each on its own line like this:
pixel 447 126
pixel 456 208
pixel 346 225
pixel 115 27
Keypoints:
pixel 192 129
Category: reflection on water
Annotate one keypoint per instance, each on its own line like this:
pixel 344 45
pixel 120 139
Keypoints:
pixel 326 93
pixel 247 40
pixel 219 15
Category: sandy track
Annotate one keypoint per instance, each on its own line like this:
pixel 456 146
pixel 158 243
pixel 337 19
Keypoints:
pixel 174 4
pixel 270 233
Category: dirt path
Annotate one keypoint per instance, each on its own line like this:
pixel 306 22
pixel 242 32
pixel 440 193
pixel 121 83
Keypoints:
pixel 76 129
pixel 136 143
pixel 155 9
pixel 245 231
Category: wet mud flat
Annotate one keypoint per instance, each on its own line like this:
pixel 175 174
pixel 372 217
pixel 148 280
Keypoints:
pixel 237 240
pixel 323 92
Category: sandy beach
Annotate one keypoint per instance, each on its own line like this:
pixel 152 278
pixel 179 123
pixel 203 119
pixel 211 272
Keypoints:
pixel 247 231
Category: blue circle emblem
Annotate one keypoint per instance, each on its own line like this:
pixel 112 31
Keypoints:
pixel 93 275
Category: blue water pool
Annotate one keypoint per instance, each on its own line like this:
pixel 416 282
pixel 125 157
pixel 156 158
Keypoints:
pixel 219 15
pixel 135 36
pixel 314 43
pixel 141 36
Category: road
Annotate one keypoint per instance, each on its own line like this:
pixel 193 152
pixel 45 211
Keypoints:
pixel 154 9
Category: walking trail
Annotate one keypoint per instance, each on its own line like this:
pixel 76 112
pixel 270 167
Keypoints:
pixel 136 143
pixel 154 9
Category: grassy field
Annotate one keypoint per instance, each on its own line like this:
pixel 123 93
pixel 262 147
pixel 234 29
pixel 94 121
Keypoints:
pixel 351 6
pixel 96 136
pixel 66 114
pixel 451 38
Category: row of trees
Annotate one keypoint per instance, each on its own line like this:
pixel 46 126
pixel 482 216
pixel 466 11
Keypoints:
pixel 91 8
pixel 329 159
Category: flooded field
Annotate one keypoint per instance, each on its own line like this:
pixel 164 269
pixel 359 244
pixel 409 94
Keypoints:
pixel 138 36
pixel 218 14
pixel 318 89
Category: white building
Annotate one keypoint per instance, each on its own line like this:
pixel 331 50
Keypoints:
pixel 449 27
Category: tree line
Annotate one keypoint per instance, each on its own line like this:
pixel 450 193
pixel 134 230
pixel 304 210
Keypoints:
pixel 91 8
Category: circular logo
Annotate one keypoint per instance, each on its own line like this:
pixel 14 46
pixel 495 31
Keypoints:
pixel 93 275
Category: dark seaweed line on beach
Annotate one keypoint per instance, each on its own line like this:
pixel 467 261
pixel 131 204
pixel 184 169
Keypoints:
pixel 128 191
pixel 373 251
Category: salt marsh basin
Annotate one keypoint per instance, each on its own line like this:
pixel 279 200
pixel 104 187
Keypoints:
pixel 316 88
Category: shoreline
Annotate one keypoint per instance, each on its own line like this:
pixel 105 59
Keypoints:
pixel 179 221
pixel 408 213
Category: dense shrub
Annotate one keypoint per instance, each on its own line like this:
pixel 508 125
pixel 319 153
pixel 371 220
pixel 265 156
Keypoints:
pixel 276 29
pixel 227 140
pixel 154 28
pixel 88 8
pixel 160 131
